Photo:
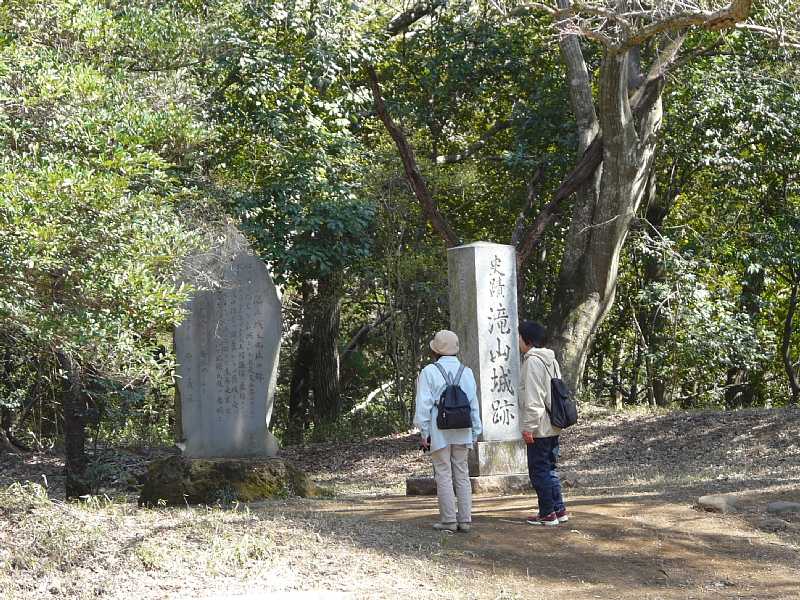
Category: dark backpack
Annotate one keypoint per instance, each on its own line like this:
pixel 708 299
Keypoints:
pixel 453 406
pixel 563 411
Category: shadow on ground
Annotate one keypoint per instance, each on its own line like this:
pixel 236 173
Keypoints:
pixel 632 546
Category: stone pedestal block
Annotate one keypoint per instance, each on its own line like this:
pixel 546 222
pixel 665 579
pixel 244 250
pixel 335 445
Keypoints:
pixel 482 280
pixel 484 485
pixel 498 458
pixel 483 312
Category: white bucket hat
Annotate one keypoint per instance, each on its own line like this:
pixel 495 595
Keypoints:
pixel 445 343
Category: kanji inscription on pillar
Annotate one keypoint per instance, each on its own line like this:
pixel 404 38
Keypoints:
pixel 483 312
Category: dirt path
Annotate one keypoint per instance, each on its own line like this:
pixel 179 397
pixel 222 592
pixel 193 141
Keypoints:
pixel 625 547
pixel 634 533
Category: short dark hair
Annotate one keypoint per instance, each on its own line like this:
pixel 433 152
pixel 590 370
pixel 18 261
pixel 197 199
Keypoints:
pixel 533 333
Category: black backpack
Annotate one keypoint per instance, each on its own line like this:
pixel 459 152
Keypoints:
pixel 453 406
pixel 563 411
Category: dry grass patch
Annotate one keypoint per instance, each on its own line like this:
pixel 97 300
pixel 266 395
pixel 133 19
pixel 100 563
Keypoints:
pixel 106 549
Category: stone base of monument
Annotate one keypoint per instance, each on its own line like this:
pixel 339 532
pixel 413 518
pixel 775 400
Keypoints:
pixel 498 458
pixel 486 485
pixel 178 480
pixel 494 467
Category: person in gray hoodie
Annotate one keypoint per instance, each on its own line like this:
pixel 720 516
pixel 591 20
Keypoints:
pixel 539 365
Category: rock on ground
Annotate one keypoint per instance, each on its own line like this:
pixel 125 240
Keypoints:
pixel 781 507
pixel 773 524
pixel 177 480
pixel 723 503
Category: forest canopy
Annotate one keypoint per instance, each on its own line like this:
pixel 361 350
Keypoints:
pixel 643 159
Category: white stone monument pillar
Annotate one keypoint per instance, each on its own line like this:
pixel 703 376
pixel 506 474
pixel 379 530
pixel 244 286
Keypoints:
pixel 483 312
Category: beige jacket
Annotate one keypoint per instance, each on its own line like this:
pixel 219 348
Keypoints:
pixel 534 392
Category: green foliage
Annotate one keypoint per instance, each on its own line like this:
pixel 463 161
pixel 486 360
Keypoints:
pixel 127 126
pixel 93 177
pixel 450 83
pixel 707 332
pixel 729 244
pixel 285 112
pixel 309 239
pixel 87 260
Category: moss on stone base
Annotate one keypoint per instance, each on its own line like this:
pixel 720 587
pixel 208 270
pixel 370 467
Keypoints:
pixel 177 480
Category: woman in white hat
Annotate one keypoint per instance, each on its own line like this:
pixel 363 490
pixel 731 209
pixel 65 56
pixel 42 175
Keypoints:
pixel 449 447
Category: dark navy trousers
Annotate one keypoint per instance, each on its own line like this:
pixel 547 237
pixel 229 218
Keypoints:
pixel 542 459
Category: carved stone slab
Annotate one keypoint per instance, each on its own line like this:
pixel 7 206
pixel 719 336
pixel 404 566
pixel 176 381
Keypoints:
pixel 227 351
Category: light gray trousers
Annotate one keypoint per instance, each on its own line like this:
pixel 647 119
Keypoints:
pixel 452 481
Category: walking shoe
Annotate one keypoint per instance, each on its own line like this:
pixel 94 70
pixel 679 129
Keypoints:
pixel 562 515
pixel 550 520
pixel 451 527
pixel 465 527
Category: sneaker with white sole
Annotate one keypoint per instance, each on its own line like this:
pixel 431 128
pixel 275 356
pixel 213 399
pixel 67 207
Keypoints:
pixel 550 520
pixel 451 527
pixel 562 515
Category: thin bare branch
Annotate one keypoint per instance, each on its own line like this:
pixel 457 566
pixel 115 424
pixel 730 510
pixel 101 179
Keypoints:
pixel 470 150
pixel 736 12
pixel 406 19
pixel 561 12
pixel 620 30
pixel 782 37
pixel 414 175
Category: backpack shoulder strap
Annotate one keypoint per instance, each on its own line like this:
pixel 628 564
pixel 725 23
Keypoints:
pixel 546 370
pixel 544 364
pixel 458 375
pixel 443 372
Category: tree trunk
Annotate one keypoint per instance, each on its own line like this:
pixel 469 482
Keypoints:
pixel 616 377
pixel 300 386
pixel 688 395
pixel 75 408
pixel 735 386
pixel 316 362
pixel 740 389
pixel 6 421
pixel 325 314
pixel 636 368
pixel 600 373
pixel 786 345
pixel 588 277
pixel 6 416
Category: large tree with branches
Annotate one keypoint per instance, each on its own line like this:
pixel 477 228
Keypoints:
pixel 618 113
